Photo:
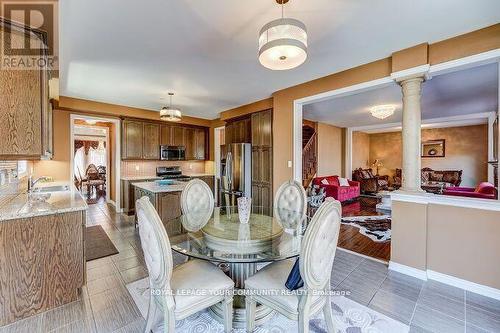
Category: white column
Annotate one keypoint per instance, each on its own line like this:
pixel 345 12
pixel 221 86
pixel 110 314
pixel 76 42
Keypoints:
pixel 411 134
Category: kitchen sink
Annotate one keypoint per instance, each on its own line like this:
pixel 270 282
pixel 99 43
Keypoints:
pixel 45 189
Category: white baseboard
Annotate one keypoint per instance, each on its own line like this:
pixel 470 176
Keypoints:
pixel 446 279
pixel 464 284
pixel 407 270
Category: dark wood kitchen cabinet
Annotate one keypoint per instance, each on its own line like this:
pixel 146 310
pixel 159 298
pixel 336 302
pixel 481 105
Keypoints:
pixel 178 134
pixel 190 143
pixel 166 135
pixel 239 130
pixel 132 140
pixel 141 139
pixel 200 145
pixel 262 160
pixel 151 141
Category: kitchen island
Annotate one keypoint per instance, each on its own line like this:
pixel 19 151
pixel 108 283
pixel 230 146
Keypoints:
pixel 165 198
pixel 42 256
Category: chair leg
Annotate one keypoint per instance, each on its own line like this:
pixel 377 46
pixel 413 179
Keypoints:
pixel 169 318
pixel 152 318
pixel 328 313
pixel 250 306
pixel 227 303
pixel 303 321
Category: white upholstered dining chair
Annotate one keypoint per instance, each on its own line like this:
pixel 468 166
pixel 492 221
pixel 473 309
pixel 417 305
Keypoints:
pixel 196 196
pixel 165 281
pixel 290 203
pixel 316 261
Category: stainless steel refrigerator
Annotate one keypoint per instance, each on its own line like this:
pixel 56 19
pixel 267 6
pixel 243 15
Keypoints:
pixel 236 168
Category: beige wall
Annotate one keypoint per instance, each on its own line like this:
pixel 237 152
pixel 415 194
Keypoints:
pixel 452 240
pixel 360 150
pixel 466 149
pixel 465 243
pixel 454 48
pixel 330 152
pixel 409 234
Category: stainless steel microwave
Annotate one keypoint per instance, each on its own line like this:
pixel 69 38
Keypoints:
pixel 172 153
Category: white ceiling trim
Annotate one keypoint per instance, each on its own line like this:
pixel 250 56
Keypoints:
pixel 454 121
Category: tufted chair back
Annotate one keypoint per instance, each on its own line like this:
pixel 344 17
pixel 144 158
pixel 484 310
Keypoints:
pixel 319 245
pixel 196 196
pixel 290 203
pixel 156 247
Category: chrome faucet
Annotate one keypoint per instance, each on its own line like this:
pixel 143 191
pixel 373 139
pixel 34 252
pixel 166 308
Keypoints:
pixel 32 182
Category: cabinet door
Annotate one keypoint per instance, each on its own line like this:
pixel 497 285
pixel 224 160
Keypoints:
pixel 266 199
pixel 256 164
pixel 166 135
pixel 132 137
pixel 266 165
pixel 178 136
pixel 169 206
pixel 190 143
pixel 229 133
pixel 200 144
pixel 256 202
pixel 265 128
pixel 23 99
pixel 256 129
pixel 151 143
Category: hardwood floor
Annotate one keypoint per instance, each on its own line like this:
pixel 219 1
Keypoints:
pixel 351 239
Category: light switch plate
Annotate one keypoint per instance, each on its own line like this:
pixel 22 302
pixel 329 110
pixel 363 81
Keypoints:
pixel 289 164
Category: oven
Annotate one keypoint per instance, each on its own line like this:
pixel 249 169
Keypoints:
pixel 172 153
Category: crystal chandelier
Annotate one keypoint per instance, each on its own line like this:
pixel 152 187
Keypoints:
pixel 169 113
pixel 283 43
pixel 382 111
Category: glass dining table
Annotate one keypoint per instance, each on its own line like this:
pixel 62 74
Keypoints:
pixel 218 236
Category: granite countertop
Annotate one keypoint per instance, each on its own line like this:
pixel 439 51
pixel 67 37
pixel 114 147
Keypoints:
pixel 154 187
pixel 200 175
pixel 139 177
pixel 24 205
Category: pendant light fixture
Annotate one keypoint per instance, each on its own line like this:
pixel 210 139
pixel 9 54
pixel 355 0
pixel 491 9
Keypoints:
pixel 283 42
pixel 169 113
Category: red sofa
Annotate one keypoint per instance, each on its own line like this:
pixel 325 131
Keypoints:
pixel 482 191
pixel 333 189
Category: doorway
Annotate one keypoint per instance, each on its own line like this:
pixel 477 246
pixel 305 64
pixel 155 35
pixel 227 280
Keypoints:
pixel 95 158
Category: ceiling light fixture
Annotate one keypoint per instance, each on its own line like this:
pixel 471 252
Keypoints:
pixel 382 111
pixel 283 42
pixel 169 113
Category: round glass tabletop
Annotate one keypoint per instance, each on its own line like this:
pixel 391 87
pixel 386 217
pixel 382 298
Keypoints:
pixel 218 235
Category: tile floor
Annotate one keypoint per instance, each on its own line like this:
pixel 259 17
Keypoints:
pixel 106 306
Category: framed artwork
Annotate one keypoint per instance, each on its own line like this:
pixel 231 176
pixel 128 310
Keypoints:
pixel 433 148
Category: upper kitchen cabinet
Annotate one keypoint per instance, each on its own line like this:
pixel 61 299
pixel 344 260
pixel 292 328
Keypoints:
pixel 132 140
pixel 195 140
pixel 262 129
pixel 151 141
pixel 178 134
pixel 200 143
pixel 166 135
pixel 141 139
pixel 25 113
pixel 238 130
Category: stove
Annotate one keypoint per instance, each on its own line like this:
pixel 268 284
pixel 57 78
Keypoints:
pixel 173 172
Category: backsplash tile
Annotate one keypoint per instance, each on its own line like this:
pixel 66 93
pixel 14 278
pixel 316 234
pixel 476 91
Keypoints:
pixel 148 168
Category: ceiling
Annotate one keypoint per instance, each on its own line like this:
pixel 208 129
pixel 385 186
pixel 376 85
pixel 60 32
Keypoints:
pixel 474 90
pixel 132 53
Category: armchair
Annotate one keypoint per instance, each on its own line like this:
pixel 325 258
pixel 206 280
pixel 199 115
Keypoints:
pixel 334 190
pixel 482 191
pixel 370 183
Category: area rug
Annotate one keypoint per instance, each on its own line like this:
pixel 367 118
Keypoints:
pixel 349 317
pixel 97 243
pixel 377 228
